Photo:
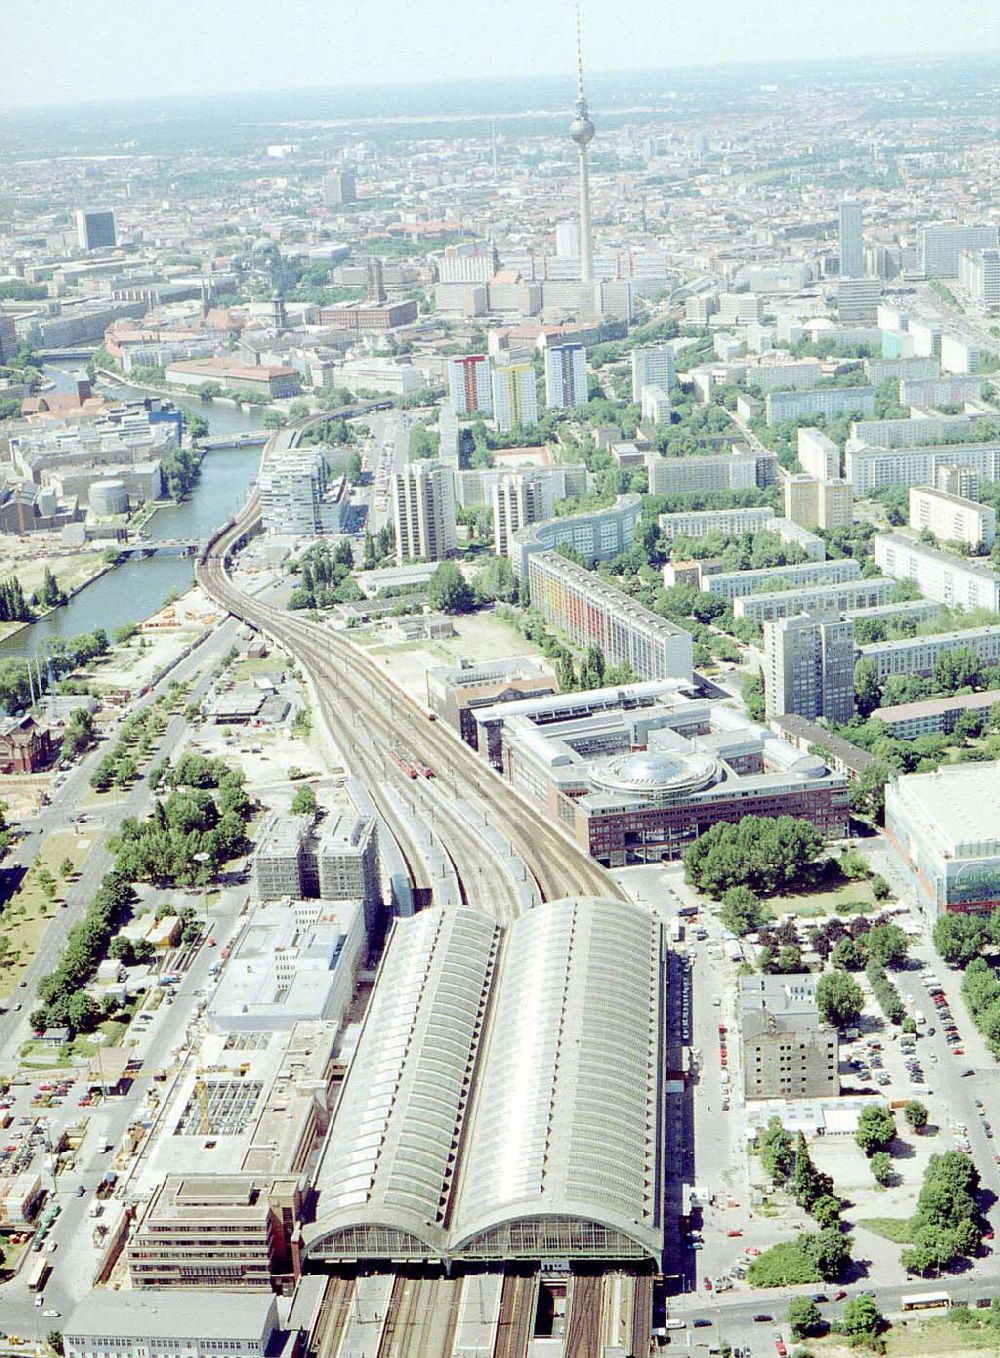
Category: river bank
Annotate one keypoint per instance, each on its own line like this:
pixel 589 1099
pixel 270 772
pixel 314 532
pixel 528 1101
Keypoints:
pixel 182 393
pixel 133 591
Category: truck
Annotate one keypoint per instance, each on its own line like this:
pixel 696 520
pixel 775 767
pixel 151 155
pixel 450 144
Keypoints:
pixel 40 1271
pixel 676 931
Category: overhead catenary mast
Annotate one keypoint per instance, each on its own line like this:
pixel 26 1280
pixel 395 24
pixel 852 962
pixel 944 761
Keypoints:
pixel 582 131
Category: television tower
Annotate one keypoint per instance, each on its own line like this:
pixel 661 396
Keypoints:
pixel 581 129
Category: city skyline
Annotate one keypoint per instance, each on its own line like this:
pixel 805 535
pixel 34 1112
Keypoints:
pixel 203 53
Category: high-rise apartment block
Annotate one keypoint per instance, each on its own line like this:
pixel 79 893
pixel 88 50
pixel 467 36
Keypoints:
pixel 424 511
pixel 340 187
pixel 852 251
pixel 979 274
pixel 299 496
pixel 818 455
pixel 652 366
pixel 568 240
pixel 958 480
pixel 740 308
pixel 857 300
pixel 469 385
pixel 8 338
pixel 809 666
pixel 952 517
pixel 518 500
pixel 812 503
pixel 96 229
pixel 515 395
pixel 939 246
pixel 566 376
pixel 655 403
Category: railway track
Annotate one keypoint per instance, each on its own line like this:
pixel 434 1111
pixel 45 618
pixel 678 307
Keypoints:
pixel 344 677
pixel 642 1314
pixel 331 1321
pixel 518 1300
pixel 584 1337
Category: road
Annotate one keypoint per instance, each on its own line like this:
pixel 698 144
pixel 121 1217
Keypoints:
pixel 73 1259
pixel 388 452
pixel 59 814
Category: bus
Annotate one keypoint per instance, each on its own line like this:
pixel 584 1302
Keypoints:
pixel 925 1301
pixel 39 1272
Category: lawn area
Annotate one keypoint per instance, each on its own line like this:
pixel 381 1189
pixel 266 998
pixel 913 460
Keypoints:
pixel 822 901
pixel 896 1229
pixel 25 917
pixel 923 1337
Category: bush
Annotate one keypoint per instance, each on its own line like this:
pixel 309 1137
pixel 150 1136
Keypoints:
pixel 304 802
pixel 916 1115
pixel 862 1320
pixel 881 1168
pixel 804 1318
pixel 783 1265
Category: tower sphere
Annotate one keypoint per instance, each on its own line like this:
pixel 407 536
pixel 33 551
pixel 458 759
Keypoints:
pixel 581 129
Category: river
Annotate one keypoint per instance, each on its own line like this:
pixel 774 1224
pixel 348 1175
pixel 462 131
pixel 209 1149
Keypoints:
pixel 137 589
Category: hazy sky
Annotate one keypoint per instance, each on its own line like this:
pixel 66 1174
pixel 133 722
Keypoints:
pixel 59 51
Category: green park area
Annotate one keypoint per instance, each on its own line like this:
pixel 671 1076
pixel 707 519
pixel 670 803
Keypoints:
pixel 26 915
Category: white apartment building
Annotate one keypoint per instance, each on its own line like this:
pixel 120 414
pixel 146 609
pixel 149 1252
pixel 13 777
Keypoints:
pixel 947 579
pixel 979 274
pixel 655 405
pixel 851 240
pixel 698 523
pixel 957 356
pixel 740 307
pixel 424 511
pixel 515 395
pixel 827 401
pixel 565 376
pixel 298 495
pixel 879 370
pixel 652 366
pixel 936 391
pixel 952 517
pixel 734 584
pixel 717 471
pixel 799 375
pixel 469 386
pixel 839 598
pixel 858 299
pixel 818 455
pixel 918 655
pixel 374 374
pixel 872 468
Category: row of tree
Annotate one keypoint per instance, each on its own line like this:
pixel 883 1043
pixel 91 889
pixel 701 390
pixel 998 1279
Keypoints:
pixel 766 854
pixel 946 1225
pixel 14 607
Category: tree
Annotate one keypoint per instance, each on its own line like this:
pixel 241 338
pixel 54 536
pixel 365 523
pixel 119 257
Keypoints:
pixel 776 1153
pixel 806 1184
pixel 847 955
pixel 876 1128
pixel 881 1167
pixel 449 591
pixel 886 944
pixel 742 911
pixel 804 1318
pixel 839 997
pixel 867 792
pixel 867 691
pixel 66 869
pixel 304 802
pixel 54 1340
pixel 84 1011
pixel 496 580
pixel 959 938
pixel 862 1320
pixel 829 1250
pixel 916 1115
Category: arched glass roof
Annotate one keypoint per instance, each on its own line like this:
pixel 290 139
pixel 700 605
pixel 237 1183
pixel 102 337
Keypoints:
pixel 530 1067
